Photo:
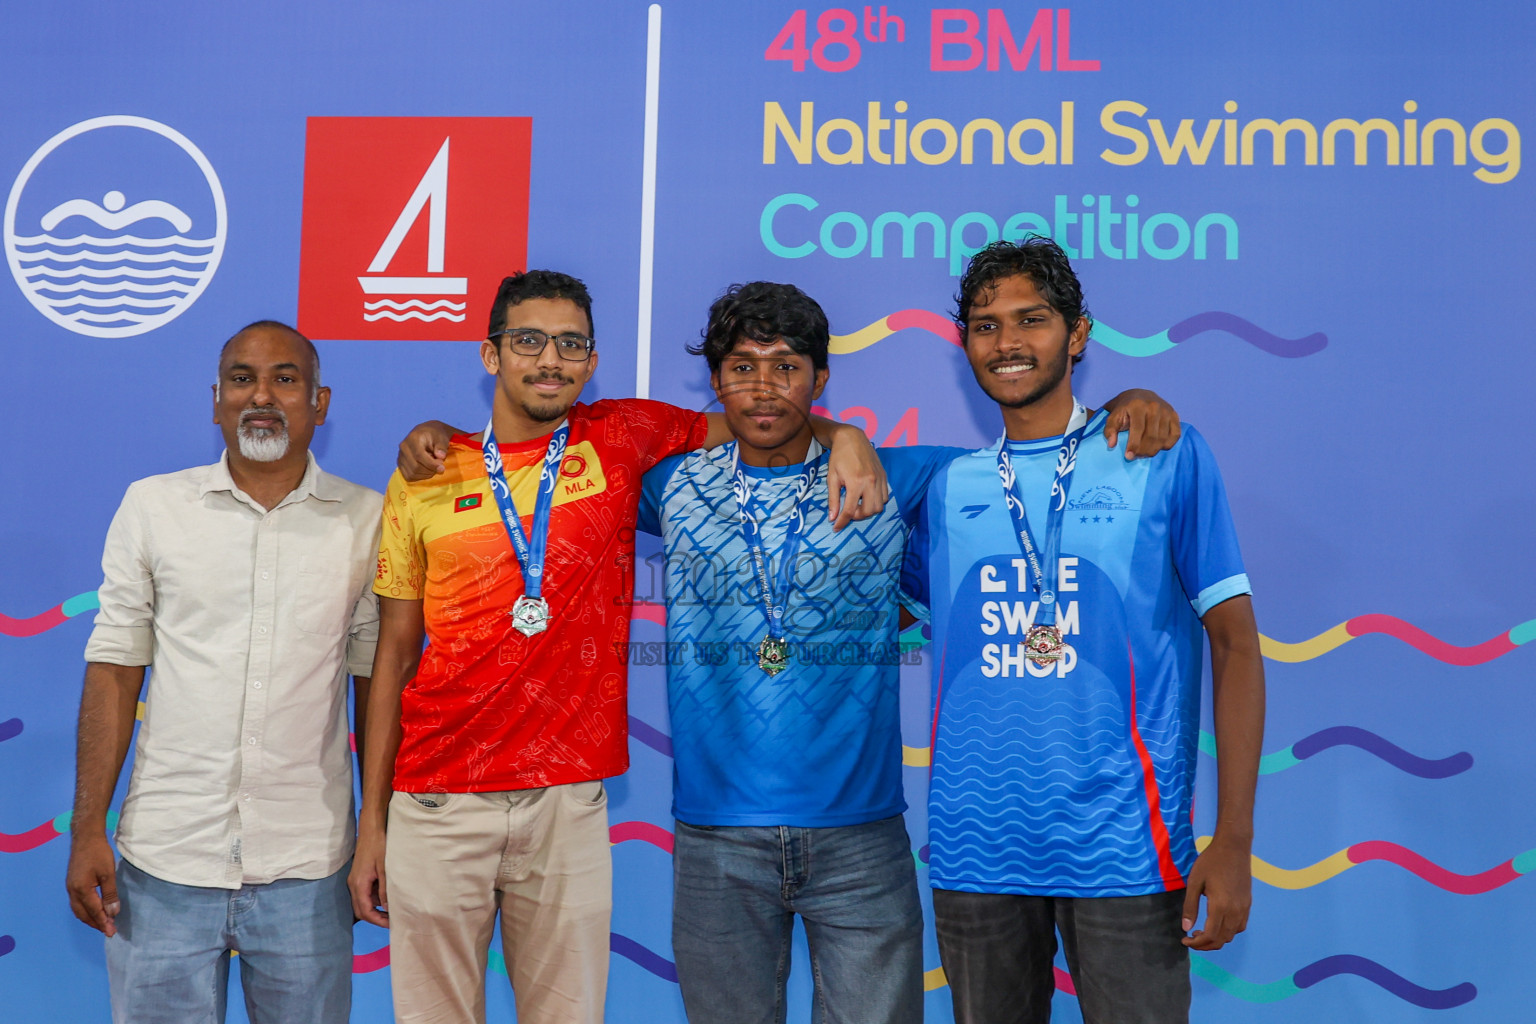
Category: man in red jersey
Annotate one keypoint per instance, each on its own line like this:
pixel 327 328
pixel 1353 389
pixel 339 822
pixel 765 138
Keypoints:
pixel 486 752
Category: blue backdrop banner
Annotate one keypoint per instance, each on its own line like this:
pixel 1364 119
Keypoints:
pixel 1304 224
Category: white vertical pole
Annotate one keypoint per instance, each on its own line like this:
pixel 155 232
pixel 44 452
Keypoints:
pixel 648 201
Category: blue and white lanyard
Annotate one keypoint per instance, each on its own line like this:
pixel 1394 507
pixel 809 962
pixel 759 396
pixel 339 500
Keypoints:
pixel 530 556
pixel 774 598
pixel 1066 461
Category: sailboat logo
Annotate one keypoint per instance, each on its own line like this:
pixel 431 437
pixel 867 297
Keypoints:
pixel 394 247
pixel 112 233
pixel 432 194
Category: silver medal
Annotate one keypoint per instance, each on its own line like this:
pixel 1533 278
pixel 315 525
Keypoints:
pixel 530 615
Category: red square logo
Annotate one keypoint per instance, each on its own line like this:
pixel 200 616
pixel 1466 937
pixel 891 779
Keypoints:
pixel 410 223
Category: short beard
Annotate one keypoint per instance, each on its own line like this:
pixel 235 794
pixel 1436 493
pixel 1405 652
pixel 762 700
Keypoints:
pixel 1052 374
pixel 544 413
pixel 263 445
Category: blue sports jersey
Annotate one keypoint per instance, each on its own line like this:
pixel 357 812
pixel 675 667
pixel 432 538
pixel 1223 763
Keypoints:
pixel 819 744
pixel 1075 779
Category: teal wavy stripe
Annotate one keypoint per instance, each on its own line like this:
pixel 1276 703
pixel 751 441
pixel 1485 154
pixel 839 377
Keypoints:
pixel 1128 346
pixel 1252 991
pixel 85 602
pixel 1279 761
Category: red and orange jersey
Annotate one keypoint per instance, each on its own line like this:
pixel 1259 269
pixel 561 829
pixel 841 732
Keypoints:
pixel 491 709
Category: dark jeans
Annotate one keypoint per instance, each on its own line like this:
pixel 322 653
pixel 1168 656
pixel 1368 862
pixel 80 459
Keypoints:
pixel 1124 952
pixel 736 891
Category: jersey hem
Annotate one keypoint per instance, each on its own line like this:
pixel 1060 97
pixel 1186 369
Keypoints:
pixel 402 784
pixel 1149 888
pixel 771 820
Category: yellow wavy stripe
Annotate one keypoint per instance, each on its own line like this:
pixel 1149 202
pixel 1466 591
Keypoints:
pixel 842 344
pixel 916 757
pixel 1306 650
pixel 934 979
pixel 1299 878
pixel 138 712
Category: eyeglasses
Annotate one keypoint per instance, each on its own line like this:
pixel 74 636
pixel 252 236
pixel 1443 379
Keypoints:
pixel 526 341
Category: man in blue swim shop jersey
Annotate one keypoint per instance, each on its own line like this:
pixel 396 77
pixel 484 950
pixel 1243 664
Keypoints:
pixel 783 686
pixel 1066 621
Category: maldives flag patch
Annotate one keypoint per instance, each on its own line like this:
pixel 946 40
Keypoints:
pixel 466 503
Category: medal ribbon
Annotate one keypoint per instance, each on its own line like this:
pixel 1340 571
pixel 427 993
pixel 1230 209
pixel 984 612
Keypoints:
pixel 1066 462
pixel 530 555
pixel 775 598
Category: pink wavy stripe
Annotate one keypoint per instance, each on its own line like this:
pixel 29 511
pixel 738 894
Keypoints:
pixel 1064 982
pixel 1412 635
pixel 643 831
pixel 924 320
pixel 28 840
pixel 1464 885
pixel 365 963
pixel 649 611
pixel 35 625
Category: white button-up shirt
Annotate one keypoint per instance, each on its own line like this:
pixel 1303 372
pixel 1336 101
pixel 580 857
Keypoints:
pixel 250 621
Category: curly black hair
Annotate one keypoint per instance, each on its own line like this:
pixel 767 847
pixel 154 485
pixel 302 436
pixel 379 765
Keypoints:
pixel 1036 257
pixel 764 312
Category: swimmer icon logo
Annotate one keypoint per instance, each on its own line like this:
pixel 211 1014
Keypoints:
pixel 115 226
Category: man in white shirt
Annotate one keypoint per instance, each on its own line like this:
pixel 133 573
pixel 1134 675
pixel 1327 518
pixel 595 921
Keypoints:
pixel 246 586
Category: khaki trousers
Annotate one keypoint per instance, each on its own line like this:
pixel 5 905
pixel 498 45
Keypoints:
pixel 540 857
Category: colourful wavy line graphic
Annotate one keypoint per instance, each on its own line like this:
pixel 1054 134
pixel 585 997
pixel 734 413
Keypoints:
pixel 643 831
pixel 32 838
pixel 649 611
pixel 1228 323
pixel 1330 967
pixel 1408 633
pixel 1353 736
pixel 650 736
pixel 367 963
pixel 1275 650
pixel 10 729
pixel 1379 849
pixel 54 616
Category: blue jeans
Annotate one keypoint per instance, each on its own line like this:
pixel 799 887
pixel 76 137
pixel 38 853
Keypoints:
pixel 736 891
pixel 169 961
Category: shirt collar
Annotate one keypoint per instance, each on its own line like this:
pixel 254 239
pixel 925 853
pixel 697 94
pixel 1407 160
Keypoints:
pixel 316 483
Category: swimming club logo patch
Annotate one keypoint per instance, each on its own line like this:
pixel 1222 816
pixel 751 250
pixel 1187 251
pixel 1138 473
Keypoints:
pixel 410 223
pixel 115 226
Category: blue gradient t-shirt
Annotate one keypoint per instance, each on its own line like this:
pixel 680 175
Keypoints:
pixel 1075 779
pixel 819 744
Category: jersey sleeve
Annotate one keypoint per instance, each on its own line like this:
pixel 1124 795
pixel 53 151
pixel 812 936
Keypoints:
pixel 910 470
pixel 652 486
pixel 1205 550
pixel 914 567
pixel 659 430
pixel 402 569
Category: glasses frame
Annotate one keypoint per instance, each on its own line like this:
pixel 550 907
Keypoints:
pixel 514 334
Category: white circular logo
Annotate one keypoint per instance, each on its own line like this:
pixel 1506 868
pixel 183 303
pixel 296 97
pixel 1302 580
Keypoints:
pixel 116 236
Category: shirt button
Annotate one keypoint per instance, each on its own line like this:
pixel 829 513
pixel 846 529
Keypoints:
pixel 261 629
pixel 252 741
pixel 266 575
pixel 247 798
pixel 256 685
